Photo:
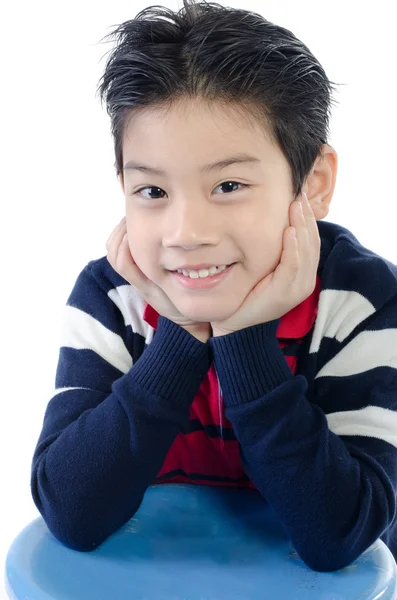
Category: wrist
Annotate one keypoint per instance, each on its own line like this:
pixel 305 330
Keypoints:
pixel 219 332
pixel 202 333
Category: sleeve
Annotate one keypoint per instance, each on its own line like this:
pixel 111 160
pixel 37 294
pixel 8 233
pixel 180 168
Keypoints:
pixel 110 423
pixel 324 459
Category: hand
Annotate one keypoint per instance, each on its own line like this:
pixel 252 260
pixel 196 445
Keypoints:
pixel 119 256
pixel 291 283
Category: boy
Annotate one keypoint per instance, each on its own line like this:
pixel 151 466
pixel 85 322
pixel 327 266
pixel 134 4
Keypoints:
pixel 233 341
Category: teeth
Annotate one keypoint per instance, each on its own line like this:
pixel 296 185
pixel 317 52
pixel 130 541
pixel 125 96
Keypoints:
pixel 202 272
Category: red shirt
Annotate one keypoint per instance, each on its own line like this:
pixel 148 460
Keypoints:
pixel 208 451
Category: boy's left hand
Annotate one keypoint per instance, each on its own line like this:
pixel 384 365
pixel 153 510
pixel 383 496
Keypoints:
pixel 291 283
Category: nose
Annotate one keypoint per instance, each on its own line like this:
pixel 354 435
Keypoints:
pixel 191 223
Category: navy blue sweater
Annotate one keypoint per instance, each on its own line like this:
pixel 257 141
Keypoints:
pixel 319 441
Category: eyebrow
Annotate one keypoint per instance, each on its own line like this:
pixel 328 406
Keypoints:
pixel 220 164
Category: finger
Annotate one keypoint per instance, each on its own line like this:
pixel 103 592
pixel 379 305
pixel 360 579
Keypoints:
pixel 314 240
pixel 312 224
pixel 292 234
pixel 297 222
pixel 128 268
pixel 307 209
pixel 113 246
pixel 118 228
pixel 309 248
pixel 308 212
pixel 115 240
pixel 290 255
pixel 292 260
pixel 300 218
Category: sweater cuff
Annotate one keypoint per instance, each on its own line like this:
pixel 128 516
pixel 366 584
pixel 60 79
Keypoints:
pixel 250 363
pixel 174 363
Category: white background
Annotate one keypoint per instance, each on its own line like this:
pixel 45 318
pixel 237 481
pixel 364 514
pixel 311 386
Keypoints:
pixel 60 198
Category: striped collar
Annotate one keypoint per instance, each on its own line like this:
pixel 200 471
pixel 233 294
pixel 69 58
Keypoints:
pixel 295 324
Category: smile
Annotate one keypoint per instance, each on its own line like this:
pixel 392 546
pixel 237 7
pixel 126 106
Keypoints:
pixel 206 281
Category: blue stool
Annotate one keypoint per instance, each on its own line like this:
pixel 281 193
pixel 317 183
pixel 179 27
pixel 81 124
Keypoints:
pixel 190 542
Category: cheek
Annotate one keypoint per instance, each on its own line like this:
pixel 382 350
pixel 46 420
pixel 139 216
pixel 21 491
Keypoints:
pixel 264 252
pixel 141 248
pixel 261 235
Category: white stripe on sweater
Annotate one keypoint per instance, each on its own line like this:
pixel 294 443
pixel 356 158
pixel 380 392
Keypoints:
pixel 69 389
pixel 371 421
pixel 368 350
pixel 82 331
pixel 339 312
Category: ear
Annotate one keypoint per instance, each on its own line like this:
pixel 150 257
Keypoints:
pixel 320 184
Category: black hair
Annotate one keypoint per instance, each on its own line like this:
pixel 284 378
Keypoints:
pixel 223 54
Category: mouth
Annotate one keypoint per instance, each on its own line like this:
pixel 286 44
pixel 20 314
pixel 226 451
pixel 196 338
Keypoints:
pixel 205 282
pixel 202 268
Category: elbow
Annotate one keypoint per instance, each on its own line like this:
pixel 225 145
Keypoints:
pixel 76 524
pixel 327 562
pixel 62 523
pixel 77 542
pixel 75 534
pixel 329 555
pixel 326 549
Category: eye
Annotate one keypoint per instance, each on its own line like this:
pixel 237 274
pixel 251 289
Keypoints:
pixel 243 185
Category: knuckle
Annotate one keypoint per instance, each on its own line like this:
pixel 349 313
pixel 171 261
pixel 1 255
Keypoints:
pixel 120 263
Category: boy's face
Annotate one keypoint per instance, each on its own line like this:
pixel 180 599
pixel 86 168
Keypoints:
pixel 192 218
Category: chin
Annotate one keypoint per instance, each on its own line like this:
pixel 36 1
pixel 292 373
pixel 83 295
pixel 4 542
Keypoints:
pixel 196 311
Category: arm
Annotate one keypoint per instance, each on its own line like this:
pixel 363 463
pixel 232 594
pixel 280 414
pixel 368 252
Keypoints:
pixel 109 426
pixel 331 478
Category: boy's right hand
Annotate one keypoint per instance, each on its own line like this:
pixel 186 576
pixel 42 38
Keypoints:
pixel 119 256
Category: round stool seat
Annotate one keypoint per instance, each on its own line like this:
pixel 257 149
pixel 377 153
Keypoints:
pixel 190 542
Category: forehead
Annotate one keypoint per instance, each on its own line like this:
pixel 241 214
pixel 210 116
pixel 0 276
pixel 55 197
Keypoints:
pixel 198 134
pixel 203 116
